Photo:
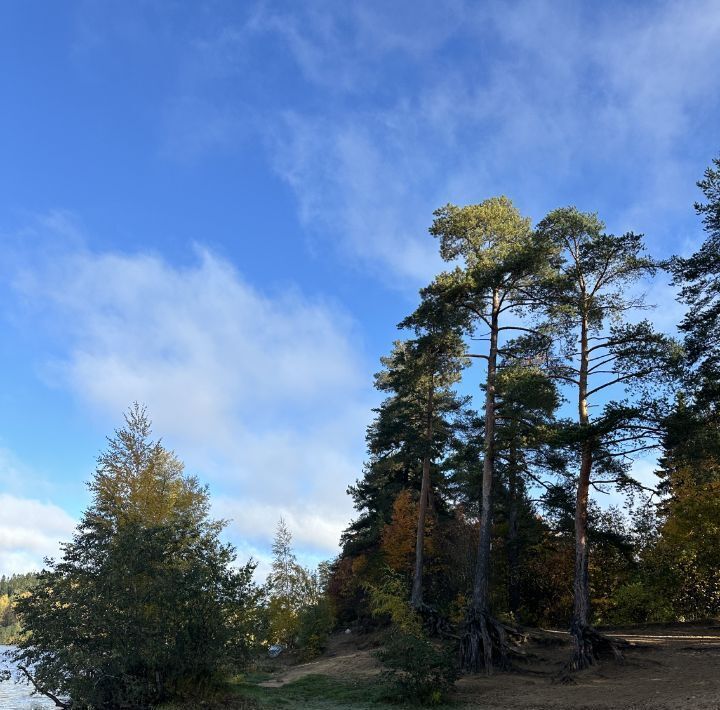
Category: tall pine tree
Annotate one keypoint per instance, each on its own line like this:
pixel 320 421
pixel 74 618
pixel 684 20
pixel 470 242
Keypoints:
pixel 499 257
pixel 600 349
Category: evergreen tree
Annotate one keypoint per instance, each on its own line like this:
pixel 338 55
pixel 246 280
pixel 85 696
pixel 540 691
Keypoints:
pixel 500 257
pixel 527 400
pixel 282 579
pixel 398 437
pixel 699 279
pixel 600 348
pixel 432 365
pixel 292 589
pixel 144 604
pixel 690 467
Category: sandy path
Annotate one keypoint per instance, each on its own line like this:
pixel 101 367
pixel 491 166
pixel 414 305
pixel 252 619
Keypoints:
pixel 666 668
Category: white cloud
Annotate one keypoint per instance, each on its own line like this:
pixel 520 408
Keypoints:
pixel 552 104
pixel 317 528
pixel 29 531
pixel 350 182
pixel 345 48
pixel 264 395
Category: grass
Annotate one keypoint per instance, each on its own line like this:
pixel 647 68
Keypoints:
pixel 317 692
pixel 312 691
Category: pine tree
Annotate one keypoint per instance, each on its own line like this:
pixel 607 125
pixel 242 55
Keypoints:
pixel 398 437
pixel 690 466
pixel 598 348
pixel 432 365
pixel 291 589
pixel 699 279
pixel 527 400
pixel 500 257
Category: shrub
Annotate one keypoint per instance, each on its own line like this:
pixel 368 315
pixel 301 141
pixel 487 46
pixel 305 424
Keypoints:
pixel 416 668
pixel 314 626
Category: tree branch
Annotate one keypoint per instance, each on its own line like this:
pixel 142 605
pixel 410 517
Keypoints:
pixel 627 453
pixel 59 703
pixel 617 380
pixel 534 331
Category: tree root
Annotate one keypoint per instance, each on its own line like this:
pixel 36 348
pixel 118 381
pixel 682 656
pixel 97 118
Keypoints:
pixel 434 623
pixel 485 644
pixel 589 647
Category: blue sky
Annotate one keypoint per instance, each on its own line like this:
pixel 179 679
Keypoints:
pixel 220 209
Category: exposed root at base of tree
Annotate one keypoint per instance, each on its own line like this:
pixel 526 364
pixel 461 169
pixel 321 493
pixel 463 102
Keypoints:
pixel 589 647
pixel 434 623
pixel 485 643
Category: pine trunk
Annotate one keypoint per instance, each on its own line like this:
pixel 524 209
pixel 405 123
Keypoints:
pixel 481 587
pixel 512 540
pixel 583 651
pixel 416 598
pixel 484 643
pixel 588 644
pixel 583 654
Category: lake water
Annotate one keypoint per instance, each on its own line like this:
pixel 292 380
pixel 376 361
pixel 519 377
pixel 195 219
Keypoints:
pixel 16 696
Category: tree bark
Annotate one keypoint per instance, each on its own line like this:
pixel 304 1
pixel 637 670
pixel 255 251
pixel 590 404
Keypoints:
pixel 512 539
pixel 587 643
pixel 582 656
pixel 484 644
pixel 480 601
pixel 416 598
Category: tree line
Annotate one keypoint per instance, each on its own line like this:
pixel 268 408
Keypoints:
pixel 11 587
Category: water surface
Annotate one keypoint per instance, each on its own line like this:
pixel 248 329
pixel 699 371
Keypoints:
pixel 17 696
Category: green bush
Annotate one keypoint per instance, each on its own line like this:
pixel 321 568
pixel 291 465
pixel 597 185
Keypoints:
pixel 145 604
pixel 416 668
pixel 636 603
pixel 314 626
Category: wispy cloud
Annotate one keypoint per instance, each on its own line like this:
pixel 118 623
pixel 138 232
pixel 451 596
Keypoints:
pixel 360 39
pixel 546 102
pixel 265 394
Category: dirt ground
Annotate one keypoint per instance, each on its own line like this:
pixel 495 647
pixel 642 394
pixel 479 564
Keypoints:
pixel 348 656
pixel 666 667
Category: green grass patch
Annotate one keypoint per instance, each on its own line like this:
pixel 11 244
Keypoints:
pixel 318 692
pixel 312 691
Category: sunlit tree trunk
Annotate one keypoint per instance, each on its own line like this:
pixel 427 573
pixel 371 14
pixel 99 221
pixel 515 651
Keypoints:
pixel 582 653
pixel 484 643
pixel 481 588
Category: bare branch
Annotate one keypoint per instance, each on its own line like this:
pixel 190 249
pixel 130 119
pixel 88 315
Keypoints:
pixel 58 703
pixel 517 327
pixel 628 452
pixel 619 379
